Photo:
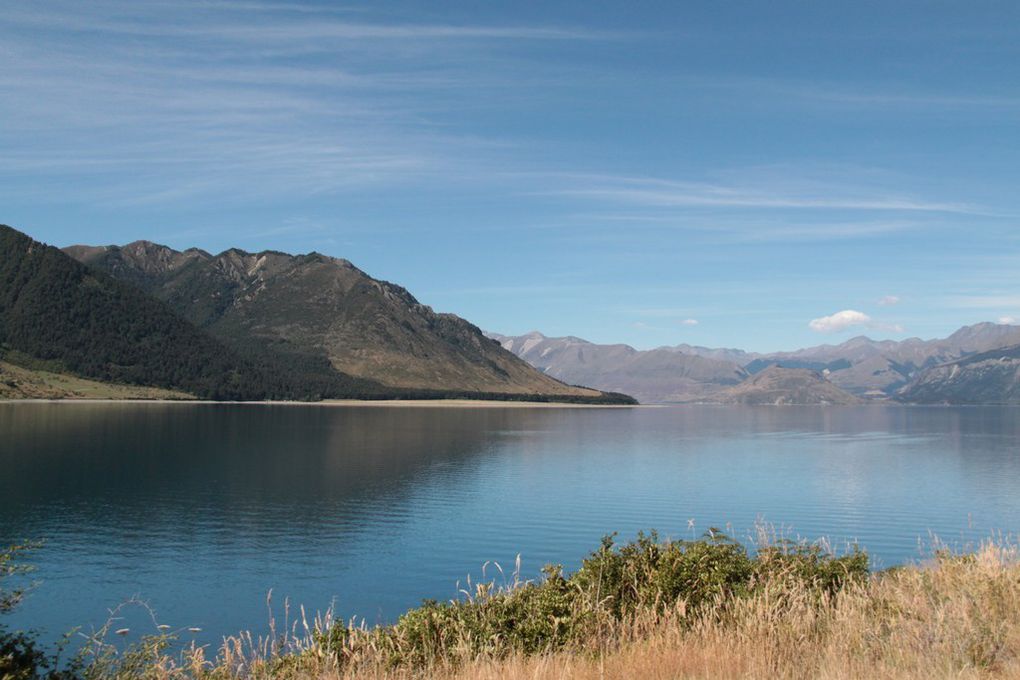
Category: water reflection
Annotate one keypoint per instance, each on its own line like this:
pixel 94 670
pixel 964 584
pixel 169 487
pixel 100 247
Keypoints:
pixel 202 508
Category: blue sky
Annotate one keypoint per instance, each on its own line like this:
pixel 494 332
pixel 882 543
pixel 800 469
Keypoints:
pixel 719 173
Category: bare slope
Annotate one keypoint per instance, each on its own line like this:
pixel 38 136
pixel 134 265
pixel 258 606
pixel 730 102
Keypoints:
pixel 786 386
pixel 880 368
pixel 991 377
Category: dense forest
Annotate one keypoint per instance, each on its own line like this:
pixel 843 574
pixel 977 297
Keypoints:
pixel 83 321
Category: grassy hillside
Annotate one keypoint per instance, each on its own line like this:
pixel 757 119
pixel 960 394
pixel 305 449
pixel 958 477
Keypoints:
pixel 18 382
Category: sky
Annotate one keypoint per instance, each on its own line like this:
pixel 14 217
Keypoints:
pixel 742 174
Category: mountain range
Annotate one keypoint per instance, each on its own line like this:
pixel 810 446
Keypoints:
pixel 241 325
pixel 147 320
pixel 658 375
pixel 949 370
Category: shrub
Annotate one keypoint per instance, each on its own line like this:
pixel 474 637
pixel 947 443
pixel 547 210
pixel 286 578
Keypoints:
pixel 614 584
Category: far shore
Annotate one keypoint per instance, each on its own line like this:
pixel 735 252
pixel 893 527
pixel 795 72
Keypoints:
pixel 399 403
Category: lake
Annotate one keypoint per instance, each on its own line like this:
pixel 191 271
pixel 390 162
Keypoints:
pixel 202 509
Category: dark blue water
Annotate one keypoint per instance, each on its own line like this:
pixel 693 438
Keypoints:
pixel 201 509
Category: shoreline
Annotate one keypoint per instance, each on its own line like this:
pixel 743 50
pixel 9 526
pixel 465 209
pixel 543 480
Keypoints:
pixel 394 403
pixel 475 403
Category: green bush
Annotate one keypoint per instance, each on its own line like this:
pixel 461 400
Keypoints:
pixel 811 564
pixel 614 583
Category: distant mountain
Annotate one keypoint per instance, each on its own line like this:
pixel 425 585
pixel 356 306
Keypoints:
pixel 59 315
pixel 659 375
pixel 878 369
pixel 785 386
pixel 872 369
pixel 736 356
pixel 318 310
pixel 991 377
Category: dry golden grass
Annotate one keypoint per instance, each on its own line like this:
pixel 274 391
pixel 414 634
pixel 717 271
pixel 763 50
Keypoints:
pixel 954 617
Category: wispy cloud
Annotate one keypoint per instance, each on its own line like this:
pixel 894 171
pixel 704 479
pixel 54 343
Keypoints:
pixel 650 192
pixel 724 229
pixel 992 301
pixel 851 97
pixel 235 22
pixel 163 101
pixel 888 300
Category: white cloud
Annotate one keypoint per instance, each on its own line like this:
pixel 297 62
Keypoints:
pixel 889 300
pixel 850 318
pixel 690 322
pixel 840 321
pixel 1009 320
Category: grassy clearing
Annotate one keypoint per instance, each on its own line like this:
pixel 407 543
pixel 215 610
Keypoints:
pixel 651 609
pixel 17 382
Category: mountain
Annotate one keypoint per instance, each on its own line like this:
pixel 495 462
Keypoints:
pixel 785 386
pixel 878 369
pixel 59 315
pixel 871 369
pixel 318 310
pixel 736 356
pixel 991 377
pixel 659 375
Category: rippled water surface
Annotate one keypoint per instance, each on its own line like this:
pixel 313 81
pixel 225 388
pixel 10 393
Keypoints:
pixel 201 509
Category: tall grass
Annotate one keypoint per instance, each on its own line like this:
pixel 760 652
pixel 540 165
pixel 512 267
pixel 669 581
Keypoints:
pixel 653 609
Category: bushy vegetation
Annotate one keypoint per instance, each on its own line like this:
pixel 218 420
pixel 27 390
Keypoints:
pixel 649 608
pixel 614 585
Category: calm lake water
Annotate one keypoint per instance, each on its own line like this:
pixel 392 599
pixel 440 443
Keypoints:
pixel 201 509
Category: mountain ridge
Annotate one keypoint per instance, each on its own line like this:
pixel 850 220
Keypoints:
pixel 866 368
pixel 660 375
pixel 315 307
pixel 991 377
pixel 68 316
